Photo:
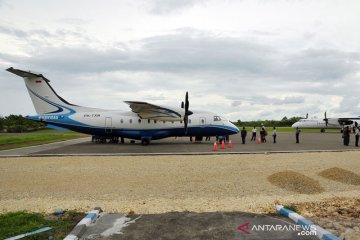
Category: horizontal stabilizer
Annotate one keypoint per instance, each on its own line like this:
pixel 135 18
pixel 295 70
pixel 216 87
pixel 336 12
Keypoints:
pixel 26 74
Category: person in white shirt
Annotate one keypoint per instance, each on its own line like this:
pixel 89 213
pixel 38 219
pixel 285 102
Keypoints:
pixel 253 137
pixel 274 134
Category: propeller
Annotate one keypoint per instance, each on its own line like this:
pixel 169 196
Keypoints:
pixel 187 111
pixel 326 120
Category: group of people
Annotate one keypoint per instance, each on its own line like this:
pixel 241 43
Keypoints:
pixel 346 135
pixel 264 133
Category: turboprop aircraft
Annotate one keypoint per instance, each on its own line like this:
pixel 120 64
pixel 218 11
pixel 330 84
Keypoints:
pixel 144 122
pixel 325 123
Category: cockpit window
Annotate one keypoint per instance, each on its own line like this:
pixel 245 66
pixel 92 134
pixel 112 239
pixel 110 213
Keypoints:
pixel 217 118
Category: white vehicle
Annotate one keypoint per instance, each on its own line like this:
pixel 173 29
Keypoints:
pixel 325 123
pixel 145 122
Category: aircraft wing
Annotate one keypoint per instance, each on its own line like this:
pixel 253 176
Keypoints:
pixel 155 112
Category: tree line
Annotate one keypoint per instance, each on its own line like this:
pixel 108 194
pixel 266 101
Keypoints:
pixel 17 123
pixel 284 122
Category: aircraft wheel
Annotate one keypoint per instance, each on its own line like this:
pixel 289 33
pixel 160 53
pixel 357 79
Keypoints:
pixel 145 142
pixel 322 130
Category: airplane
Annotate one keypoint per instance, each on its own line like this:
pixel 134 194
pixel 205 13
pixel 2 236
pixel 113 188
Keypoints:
pixel 145 121
pixel 326 123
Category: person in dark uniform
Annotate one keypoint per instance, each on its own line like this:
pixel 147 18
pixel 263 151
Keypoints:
pixel 243 135
pixel 262 134
pixel 346 136
pixel 297 134
pixel 253 136
pixel 357 135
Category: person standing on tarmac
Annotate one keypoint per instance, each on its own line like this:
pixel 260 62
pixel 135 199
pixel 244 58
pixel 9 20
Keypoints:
pixel 346 136
pixel 243 135
pixel 253 136
pixel 263 134
pixel 357 135
pixel 274 134
pixel 297 134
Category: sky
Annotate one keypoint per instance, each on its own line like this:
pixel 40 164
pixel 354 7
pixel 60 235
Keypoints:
pixel 242 59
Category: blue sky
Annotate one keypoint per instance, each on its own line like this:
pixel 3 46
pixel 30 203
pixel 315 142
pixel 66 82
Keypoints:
pixel 248 60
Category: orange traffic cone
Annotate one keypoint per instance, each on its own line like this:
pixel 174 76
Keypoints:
pixel 230 144
pixel 215 146
pixel 259 140
pixel 223 144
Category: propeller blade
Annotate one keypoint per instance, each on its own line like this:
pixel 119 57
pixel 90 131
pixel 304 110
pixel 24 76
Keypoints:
pixel 187 112
pixel 186 102
pixel 326 120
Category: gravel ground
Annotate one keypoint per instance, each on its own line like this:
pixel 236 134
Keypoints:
pixel 340 216
pixel 158 184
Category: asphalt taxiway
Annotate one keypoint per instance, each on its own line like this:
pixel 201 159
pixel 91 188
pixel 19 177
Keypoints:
pixel 191 225
pixel 183 145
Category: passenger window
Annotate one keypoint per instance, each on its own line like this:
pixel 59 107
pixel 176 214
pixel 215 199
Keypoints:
pixel 172 122
pixel 202 121
pixel 149 121
pixel 163 121
pixel 139 120
pixel 189 120
pixel 121 121
pixel 130 121
pixel 180 121
pixel 155 121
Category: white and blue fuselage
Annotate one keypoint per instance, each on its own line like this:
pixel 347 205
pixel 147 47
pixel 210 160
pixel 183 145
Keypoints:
pixel 145 122
pixel 130 125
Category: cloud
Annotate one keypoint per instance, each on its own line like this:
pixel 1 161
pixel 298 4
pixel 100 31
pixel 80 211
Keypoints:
pixel 160 7
pixel 322 64
pixel 233 76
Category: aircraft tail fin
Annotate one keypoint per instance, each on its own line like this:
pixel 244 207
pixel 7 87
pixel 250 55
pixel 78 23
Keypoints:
pixel 43 96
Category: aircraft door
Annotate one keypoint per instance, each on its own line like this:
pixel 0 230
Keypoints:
pixel 202 121
pixel 108 124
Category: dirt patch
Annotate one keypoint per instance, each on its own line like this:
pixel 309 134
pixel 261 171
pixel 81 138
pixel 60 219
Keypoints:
pixel 341 175
pixel 296 182
pixel 341 216
pixel 332 207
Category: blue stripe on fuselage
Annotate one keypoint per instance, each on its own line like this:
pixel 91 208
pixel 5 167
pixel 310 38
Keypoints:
pixel 210 130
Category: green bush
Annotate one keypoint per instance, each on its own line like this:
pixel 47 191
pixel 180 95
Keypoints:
pixel 17 123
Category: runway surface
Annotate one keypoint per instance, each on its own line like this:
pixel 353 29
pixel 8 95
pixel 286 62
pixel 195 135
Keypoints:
pixel 285 143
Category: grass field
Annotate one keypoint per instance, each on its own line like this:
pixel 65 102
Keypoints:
pixel 16 223
pixel 16 140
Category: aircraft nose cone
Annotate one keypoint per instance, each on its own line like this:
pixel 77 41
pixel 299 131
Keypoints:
pixel 235 129
pixel 294 125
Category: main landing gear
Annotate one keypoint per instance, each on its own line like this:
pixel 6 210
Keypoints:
pixel 145 141
pixel 102 139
